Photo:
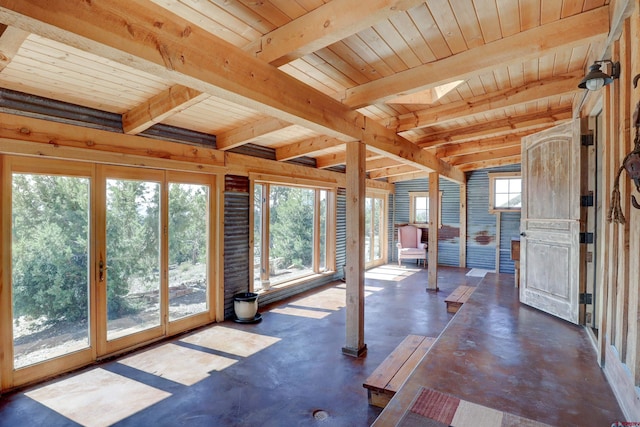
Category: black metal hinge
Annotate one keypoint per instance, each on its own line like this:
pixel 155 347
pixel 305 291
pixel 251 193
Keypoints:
pixel 586 139
pixel 587 199
pixel 586 299
pixel 586 237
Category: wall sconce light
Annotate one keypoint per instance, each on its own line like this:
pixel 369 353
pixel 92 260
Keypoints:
pixel 595 78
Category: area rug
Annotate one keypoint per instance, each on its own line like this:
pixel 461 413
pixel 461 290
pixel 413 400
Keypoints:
pixel 478 272
pixel 431 408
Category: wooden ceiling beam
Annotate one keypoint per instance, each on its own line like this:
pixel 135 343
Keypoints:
pixel 11 39
pixel 337 159
pixel 568 32
pixel 488 103
pixel 520 123
pixel 392 171
pixel 462 148
pixel 485 155
pixel 165 104
pixel 245 134
pixel 376 164
pixel 306 147
pixel 322 27
pixel 484 164
pixel 140 35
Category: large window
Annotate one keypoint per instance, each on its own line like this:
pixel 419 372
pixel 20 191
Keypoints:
pixel 505 191
pixel 290 233
pixel 419 207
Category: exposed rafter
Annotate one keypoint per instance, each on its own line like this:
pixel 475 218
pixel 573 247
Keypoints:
pixel 245 134
pixel 524 122
pixel 11 38
pixel 490 102
pixel 165 104
pixel 323 26
pixel 532 43
pixel 307 147
pixel 392 171
pixel 129 33
pixel 470 147
pixel 485 155
pixel 493 163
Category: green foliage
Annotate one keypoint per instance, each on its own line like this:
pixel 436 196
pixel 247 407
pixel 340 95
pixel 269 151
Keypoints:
pixel 188 207
pixel 291 228
pixel 133 212
pixel 50 246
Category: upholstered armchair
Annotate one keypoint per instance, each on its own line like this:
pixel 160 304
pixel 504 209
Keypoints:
pixel 410 245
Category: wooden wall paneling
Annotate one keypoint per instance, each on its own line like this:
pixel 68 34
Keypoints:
pixel 622 229
pixel 633 359
pixel 622 52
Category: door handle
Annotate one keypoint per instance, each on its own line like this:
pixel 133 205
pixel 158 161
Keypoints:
pixel 101 270
pixel 523 234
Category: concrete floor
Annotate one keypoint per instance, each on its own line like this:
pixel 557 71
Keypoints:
pixel 279 372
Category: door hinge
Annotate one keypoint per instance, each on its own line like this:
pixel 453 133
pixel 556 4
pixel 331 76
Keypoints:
pixel 586 299
pixel 586 237
pixel 587 199
pixel 586 139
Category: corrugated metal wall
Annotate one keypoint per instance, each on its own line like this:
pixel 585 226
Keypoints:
pixel 449 233
pixel 481 225
pixel 236 239
pixel 236 246
pixel 341 231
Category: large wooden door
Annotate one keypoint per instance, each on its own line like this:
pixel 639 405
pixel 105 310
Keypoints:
pixel 550 221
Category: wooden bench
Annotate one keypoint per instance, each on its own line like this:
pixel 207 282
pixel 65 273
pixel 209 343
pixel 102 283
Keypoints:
pixel 385 381
pixel 458 297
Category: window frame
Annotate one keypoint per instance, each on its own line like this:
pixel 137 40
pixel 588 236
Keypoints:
pixel 330 241
pixel 493 177
pixel 412 212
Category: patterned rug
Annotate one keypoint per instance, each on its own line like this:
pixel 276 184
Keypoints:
pixel 431 408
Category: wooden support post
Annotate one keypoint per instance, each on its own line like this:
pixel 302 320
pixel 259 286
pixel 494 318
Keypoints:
pixel 356 154
pixel 434 222
pixel 463 225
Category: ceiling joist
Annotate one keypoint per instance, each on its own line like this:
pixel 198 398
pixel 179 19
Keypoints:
pixel 130 33
pixel 533 43
pixel 524 122
pixel 165 104
pixel 488 103
pixel 322 27
pixel 247 133
pixel 11 38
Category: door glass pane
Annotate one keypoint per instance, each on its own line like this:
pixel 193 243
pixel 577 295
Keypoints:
pixel 188 237
pixel 378 211
pixel 258 197
pixel 49 266
pixel 368 230
pixel 133 256
pixel 290 232
pixel 323 231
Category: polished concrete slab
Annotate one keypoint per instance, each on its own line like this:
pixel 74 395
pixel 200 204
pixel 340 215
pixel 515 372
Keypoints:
pixel 288 370
pixel 503 355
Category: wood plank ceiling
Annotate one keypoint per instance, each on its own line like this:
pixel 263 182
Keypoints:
pixel 421 82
